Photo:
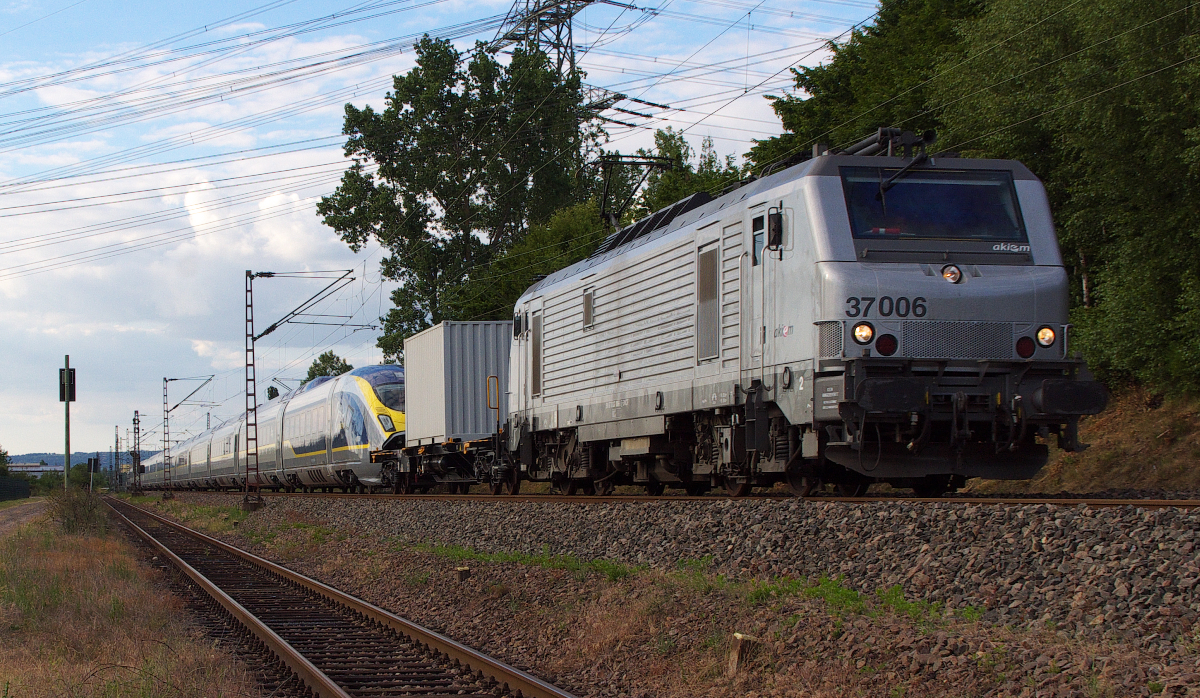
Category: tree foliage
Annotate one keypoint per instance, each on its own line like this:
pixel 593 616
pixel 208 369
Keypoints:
pixel 708 173
pixel 574 232
pixel 4 461
pixel 570 235
pixel 1099 99
pixel 880 76
pixel 328 364
pixel 466 155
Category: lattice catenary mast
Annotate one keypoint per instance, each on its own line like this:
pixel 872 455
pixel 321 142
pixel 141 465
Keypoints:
pixel 251 397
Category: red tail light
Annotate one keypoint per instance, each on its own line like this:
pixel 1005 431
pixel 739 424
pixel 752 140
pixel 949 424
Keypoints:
pixel 886 345
pixel 1025 347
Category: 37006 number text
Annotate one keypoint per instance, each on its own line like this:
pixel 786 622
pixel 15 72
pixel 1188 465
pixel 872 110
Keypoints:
pixel 887 306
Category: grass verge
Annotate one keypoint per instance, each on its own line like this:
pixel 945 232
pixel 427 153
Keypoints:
pixel 10 503
pixel 80 617
pixel 211 519
pixel 613 571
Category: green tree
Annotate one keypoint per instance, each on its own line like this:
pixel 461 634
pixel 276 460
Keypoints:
pixel 570 235
pixel 4 461
pixel 880 76
pixel 273 392
pixel 665 187
pixel 328 364
pixel 1099 100
pixel 463 158
pixel 46 483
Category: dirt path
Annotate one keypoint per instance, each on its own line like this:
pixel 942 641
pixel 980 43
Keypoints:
pixel 13 518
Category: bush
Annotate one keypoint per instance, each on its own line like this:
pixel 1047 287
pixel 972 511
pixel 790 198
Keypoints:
pixel 78 511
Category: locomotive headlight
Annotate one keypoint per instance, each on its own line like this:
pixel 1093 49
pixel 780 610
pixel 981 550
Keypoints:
pixel 952 273
pixel 1045 336
pixel 386 422
pixel 863 333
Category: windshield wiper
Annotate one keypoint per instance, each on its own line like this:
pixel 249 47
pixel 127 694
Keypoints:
pixel 886 184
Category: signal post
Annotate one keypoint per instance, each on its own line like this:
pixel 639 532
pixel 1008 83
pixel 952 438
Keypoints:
pixel 66 395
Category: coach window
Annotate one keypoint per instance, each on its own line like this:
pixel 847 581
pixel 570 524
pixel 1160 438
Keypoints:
pixel 756 227
pixel 589 299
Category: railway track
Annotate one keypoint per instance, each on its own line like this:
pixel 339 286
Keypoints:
pixel 611 499
pixel 337 645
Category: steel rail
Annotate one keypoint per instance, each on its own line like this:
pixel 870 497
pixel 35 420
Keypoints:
pixel 315 679
pixel 627 498
pixel 510 678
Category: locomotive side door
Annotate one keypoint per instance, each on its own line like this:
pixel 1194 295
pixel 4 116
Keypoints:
pixel 754 327
pixel 532 363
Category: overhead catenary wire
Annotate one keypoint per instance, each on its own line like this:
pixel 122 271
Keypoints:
pixel 373 296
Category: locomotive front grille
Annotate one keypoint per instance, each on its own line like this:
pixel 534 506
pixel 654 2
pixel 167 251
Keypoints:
pixel 829 338
pixel 940 339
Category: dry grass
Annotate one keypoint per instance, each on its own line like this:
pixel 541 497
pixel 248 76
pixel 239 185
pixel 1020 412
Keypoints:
pixel 78 511
pixel 80 617
pixel 210 519
pixel 1142 441
pixel 9 503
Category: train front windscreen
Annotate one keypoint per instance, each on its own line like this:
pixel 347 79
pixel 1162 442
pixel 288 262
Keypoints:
pixel 388 384
pixel 979 205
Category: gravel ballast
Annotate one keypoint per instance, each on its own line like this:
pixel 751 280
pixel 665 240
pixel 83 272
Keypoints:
pixel 1119 572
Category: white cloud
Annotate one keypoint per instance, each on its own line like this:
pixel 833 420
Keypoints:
pixel 176 309
pixel 221 358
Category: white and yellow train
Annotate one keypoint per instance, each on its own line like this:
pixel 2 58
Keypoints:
pixel 318 436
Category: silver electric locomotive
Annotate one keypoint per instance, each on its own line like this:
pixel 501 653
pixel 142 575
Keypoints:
pixel 851 319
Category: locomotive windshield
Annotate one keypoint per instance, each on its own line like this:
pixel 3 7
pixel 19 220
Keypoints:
pixel 933 204
pixel 388 383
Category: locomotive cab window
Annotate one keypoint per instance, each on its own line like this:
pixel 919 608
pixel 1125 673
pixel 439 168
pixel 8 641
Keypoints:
pixel 976 205
pixel 757 227
pixel 388 384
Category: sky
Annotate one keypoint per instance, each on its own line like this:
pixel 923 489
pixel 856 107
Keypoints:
pixel 152 153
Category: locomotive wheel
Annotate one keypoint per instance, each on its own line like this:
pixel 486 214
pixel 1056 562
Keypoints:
pixel 853 488
pixel 655 489
pixel 571 488
pixel 509 484
pixel 932 486
pixel 801 485
pixel 738 486
pixel 603 488
pixel 695 489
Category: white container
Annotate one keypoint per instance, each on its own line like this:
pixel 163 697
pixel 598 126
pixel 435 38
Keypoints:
pixel 446 370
